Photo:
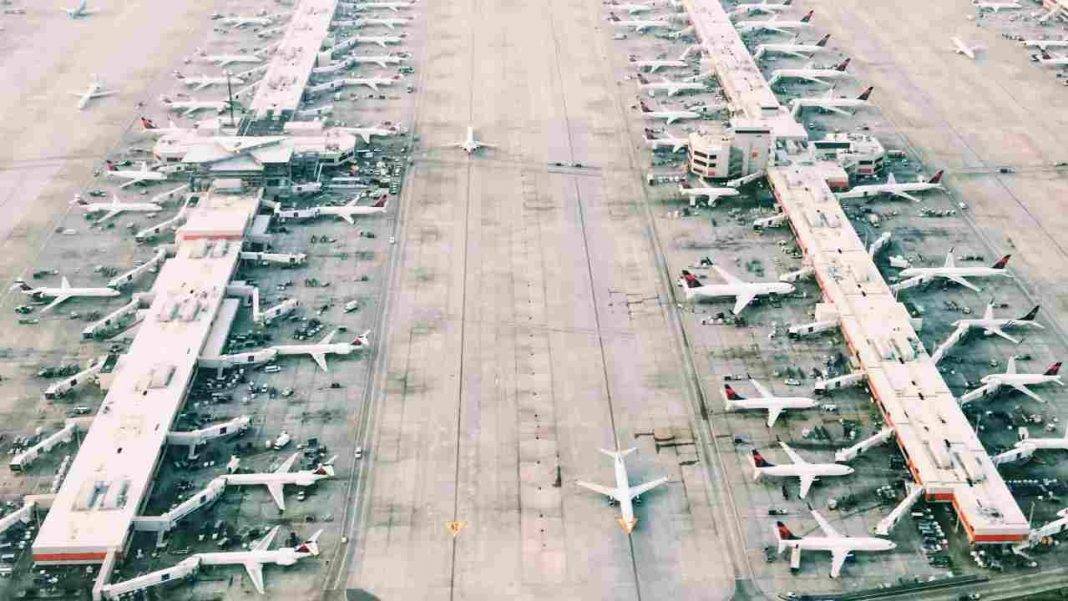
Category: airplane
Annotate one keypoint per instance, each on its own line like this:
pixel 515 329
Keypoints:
pixel 350 209
pixel 840 546
pixel 1045 44
pixel 381 40
pixel 961 47
pixel 831 103
pixel 676 144
pixel 367 132
pixel 188 107
pixel 199 82
pixel 951 272
pixel 390 23
pixel 992 325
pixel 652 66
pixel 470 144
pixel 623 493
pixel 711 193
pixel 324 347
pixel 383 61
pixel 1019 382
pixel 641 26
pixel 820 76
pixel 237 22
pixel 64 292
pixel 95 90
pixel 144 175
pixel 743 292
pixel 798 468
pixel 150 127
pixel 794 49
pixel 372 82
pixel 633 9
pixel 1052 61
pixel 669 115
pixel 393 6
pixel 774 25
pixel 113 208
pixel 773 404
pixel 1049 444
pixel 894 188
pixel 259 554
pixel 670 87
pixel 82 10
pixel 767 8
pixel 223 60
pixel 996 7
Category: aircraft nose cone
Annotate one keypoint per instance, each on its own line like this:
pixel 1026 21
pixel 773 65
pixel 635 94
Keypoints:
pixel 628 525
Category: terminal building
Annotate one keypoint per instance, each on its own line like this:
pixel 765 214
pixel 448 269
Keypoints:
pixel 742 150
pixel 859 154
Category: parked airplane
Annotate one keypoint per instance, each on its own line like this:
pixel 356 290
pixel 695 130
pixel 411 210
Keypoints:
pixel 223 60
pixel 798 468
pixel 641 25
pixel 470 144
pixel 95 90
pixel 623 493
pixel 742 292
pixel 1020 382
pixel 794 49
pixel 670 87
pixel 675 144
pixel 961 47
pixel 144 175
pixel 832 103
pixel 238 21
pixel 767 8
pixel 774 25
pixel 199 82
pixel 820 76
pixel 381 40
pixel 393 6
pixel 391 23
pixel 350 210
pixel 996 7
pixel 188 107
pixel 633 9
pixel 383 61
pixel 81 10
pixel 652 66
pixel 372 82
pixel 894 188
pixel 64 292
pixel 1059 443
pixel 366 133
pixel 711 193
pixel 1053 61
pixel 113 208
pixel 951 272
pixel 150 126
pixel 324 347
pixel 994 326
pixel 767 401
pixel 840 546
pixel 1045 44
pixel 259 554
pixel 668 115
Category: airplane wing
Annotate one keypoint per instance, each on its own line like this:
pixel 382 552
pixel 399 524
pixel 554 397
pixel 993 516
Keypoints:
pixel 288 464
pixel 55 301
pixel 255 573
pixel 366 137
pixel 1000 332
pixel 320 358
pixel 1025 390
pixel 111 213
pixel 129 182
pixel 838 557
pixel 265 543
pixel 726 275
pixel 773 414
pixel 963 282
pixel 671 119
pixel 637 491
pixel 275 488
pixel 760 388
pixel 792 454
pixel 835 109
pixel 812 79
pixel 348 218
pixel 825 526
pixel 1011 368
pixel 904 195
pixel 679 146
pixel 597 488
pixel 806 484
pixel 742 300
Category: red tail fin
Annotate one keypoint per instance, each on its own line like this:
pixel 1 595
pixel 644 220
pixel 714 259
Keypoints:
pixel 691 279
pixel 784 532
pixel 649 134
pixel 641 103
pixel 1002 262
pixel 321 470
pixel 842 65
pixel 612 17
pixel 1053 369
pixel 147 123
pixel 109 165
pixel 937 177
pixel 823 40
pixel 731 394
pixel 642 79
pixel 381 202
pixel 759 461
pixel 866 93
pixel 808 16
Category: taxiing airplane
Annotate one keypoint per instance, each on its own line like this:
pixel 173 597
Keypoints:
pixel 710 193
pixel 668 86
pixel 675 144
pixel 820 76
pixel 79 11
pixel 996 7
pixel 95 90
pixel 832 103
pixel 199 82
pixel 142 176
pixel 641 25
pixel 668 115
pixel 113 208
pixel 223 60
pixel 366 133
pixel 623 493
pixel 961 47
pixel 188 107
pixel 774 405
pixel 325 347
pixel 995 326
pixel 652 66
pixel 894 188
pixel 742 292
pixel 381 40
pixel 1017 381
pixel 237 21
pixel 756 8
pixel 470 144
pixel 798 468
pixel 839 546
pixel 350 210
pixel 774 25
pixel 794 49
pixel 383 61
pixel 950 271
pixel 1049 60
pixel 64 292
pixel 259 555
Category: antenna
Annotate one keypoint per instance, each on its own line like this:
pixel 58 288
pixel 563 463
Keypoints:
pixel 230 102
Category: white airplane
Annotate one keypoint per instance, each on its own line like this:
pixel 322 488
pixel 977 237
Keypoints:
pixel 64 292
pixel 350 210
pixel 670 87
pixel 95 90
pixel 794 49
pixel 324 347
pixel 652 66
pixel 996 7
pixel 832 103
pixel 773 404
pixel 1045 44
pixel 951 272
pixel 820 76
pixel 366 133
pixel 113 208
pixel 199 82
pixel 742 292
pixel 391 23
pixel 223 60
pixel 623 493
pixel 143 176
pixel 994 326
pixel 892 187
pixel 675 144
pixel 633 9
pixel 275 481
pixel 1052 61
pixel 393 6
pixel 150 127
pixel 237 22
pixel 798 468
pixel 711 193
pixel 668 115
pixel 259 554
pixel 1020 382
pixel 372 82
pixel 188 107
pixel 1049 444
pixel 755 8
pixel 838 545
pixel 470 144
pixel 381 40
pixel 641 25
pixel 774 25
pixel 82 10
pixel 961 47
pixel 383 61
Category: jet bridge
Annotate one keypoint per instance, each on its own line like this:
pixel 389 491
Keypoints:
pixel 192 438
pixel 162 524
pixel 61 388
pixel 887 524
pixel 1057 526
pixel 24 459
pixel 851 453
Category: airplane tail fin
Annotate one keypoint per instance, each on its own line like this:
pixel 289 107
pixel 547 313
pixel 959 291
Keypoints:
pixel 866 93
pixel 641 104
pixel 21 286
pixel 759 461
pixel 823 41
pixel 642 80
pixel 649 135
pixel 309 546
pixel 842 65
pixel 619 454
pixel 613 17
pixel 691 280
pixel 937 177
pixel 109 165
pixel 363 339
pixel 730 394
pixel 1002 262
pixel 1053 369
pixel 324 470
pixel 1031 314
pixel 147 123
pixel 808 16
pixel 382 202
pixel 782 535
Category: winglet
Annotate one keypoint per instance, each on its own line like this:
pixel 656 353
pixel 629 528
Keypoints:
pixel 823 41
pixel 866 93
pixel 937 177
pixel 1053 369
pixel 808 16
